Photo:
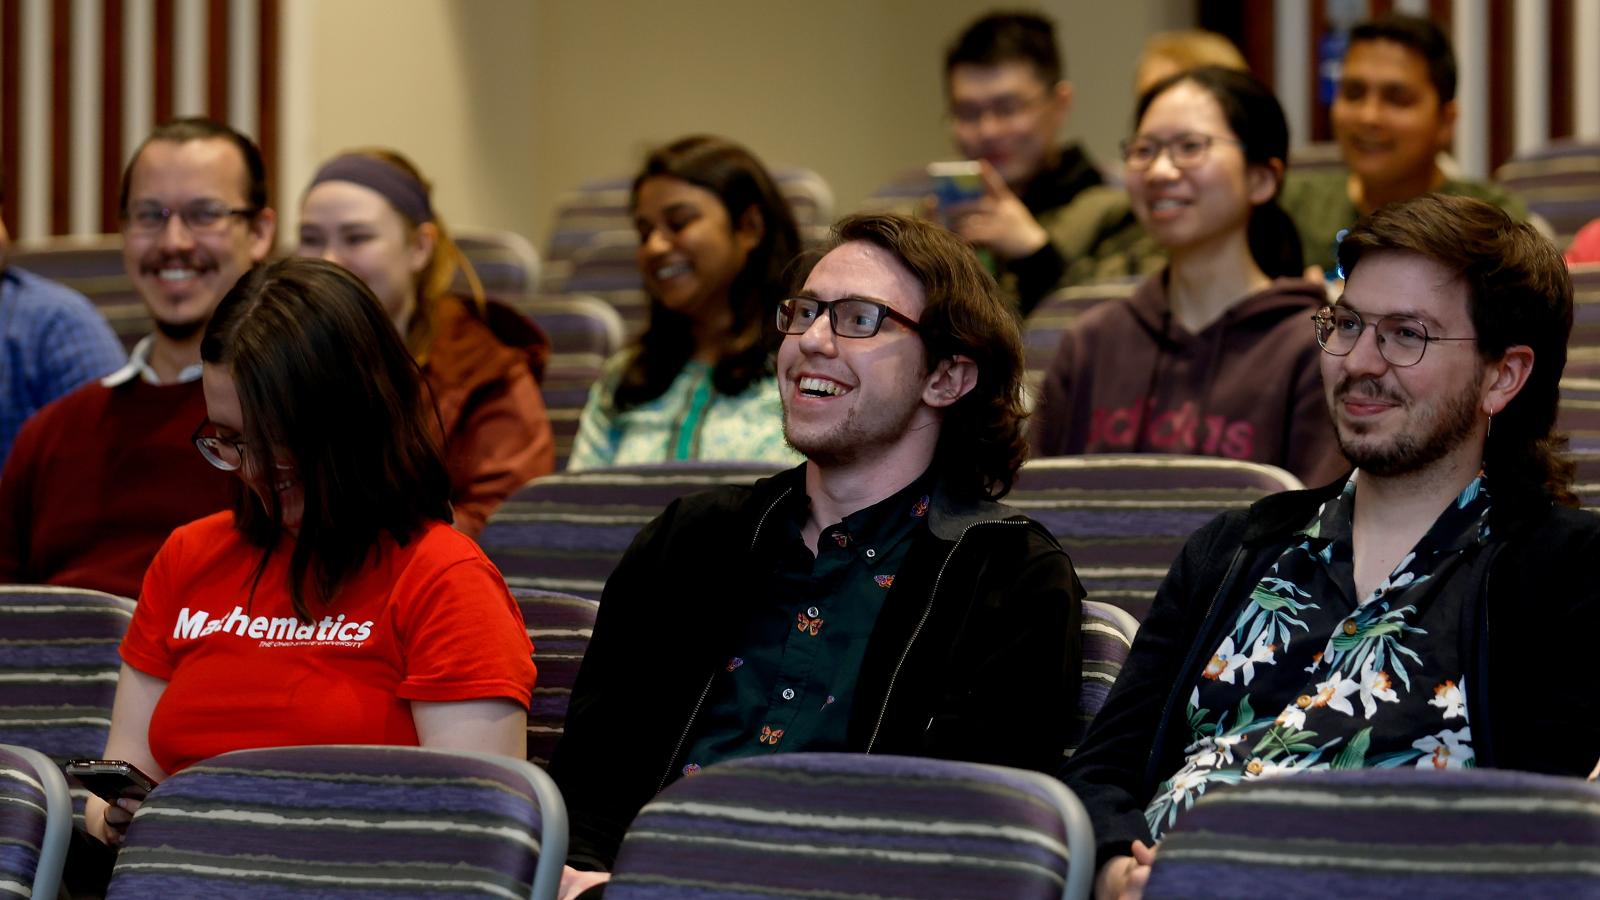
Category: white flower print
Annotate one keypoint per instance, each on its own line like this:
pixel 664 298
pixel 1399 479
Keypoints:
pixel 1374 687
pixel 1335 694
pixel 1445 750
pixel 1451 696
pixel 1262 652
pixel 1293 718
pixel 1221 752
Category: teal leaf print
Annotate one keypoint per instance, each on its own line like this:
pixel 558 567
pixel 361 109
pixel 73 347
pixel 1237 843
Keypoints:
pixel 1354 754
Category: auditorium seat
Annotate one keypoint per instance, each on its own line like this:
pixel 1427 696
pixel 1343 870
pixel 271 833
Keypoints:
pixel 560 626
pixel 347 822
pixel 35 823
pixel 1108 633
pixel 58 669
pixel 1578 415
pixel 849 825
pixel 1124 518
pixel 1416 833
pixel 608 269
pixel 93 267
pixel 506 263
pixel 1559 182
pixel 566 532
pixel 583 333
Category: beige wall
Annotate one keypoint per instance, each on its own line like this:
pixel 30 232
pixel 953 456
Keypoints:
pixel 506 103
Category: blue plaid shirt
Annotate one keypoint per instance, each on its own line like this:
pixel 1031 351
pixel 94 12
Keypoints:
pixel 51 341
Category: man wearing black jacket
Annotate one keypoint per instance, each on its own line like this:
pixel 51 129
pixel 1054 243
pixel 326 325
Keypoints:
pixel 1349 626
pixel 877 599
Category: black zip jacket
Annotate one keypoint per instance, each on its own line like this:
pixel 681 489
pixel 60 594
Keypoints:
pixel 1527 639
pixel 975 655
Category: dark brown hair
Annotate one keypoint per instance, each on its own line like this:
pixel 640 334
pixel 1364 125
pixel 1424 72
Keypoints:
pixel 739 181
pixel 1518 292
pixel 182 131
pixel 326 385
pixel 981 444
pixel 1003 37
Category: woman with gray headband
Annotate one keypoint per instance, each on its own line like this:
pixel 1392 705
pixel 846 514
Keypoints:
pixel 370 212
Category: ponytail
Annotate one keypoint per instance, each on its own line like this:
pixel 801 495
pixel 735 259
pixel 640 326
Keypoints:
pixel 1275 242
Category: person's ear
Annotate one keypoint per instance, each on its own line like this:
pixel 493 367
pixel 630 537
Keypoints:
pixel 1447 125
pixel 949 381
pixel 1262 180
pixel 263 228
pixel 1505 377
pixel 419 248
pixel 751 229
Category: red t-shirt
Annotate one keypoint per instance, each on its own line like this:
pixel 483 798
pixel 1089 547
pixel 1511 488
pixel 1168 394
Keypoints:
pixel 429 621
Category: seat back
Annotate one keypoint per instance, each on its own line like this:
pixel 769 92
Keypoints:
pixel 347 821
pixel 505 262
pixel 1124 518
pixel 1041 333
pixel 566 532
pixel 847 825
pixel 583 333
pixel 1578 415
pixel 560 626
pixel 608 269
pixel 1415 833
pixel 58 667
pixel 1560 182
pixel 35 823
pixel 93 267
pixel 1107 636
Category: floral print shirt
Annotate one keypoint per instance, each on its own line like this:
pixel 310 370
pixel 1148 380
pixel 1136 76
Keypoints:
pixel 1309 678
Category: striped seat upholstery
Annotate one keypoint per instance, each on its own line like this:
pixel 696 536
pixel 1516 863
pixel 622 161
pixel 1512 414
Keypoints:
pixel 1041 333
pixel 92 267
pixel 347 822
pixel 1124 518
pixel 559 626
pixel 608 269
pixel 566 532
pixel 1560 182
pixel 853 826
pixel 1107 635
pixel 35 823
pixel 1586 481
pixel 583 333
pixel 1412 833
pixel 505 262
pixel 58 667
pixel 1578 416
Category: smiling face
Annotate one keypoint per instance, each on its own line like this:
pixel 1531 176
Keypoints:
pixel 689 251
pixel 1392 420
pixel 1007 115
pixel 227 419
pixel 181 274
pixel 1387 116
pixel 1194 206
pixel 354 227
pixel 849 399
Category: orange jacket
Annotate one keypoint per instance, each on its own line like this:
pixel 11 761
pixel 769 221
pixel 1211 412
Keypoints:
pixel 483 373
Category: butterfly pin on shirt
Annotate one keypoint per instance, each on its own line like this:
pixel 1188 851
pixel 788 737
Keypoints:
pixel 770 735
pixel 804 622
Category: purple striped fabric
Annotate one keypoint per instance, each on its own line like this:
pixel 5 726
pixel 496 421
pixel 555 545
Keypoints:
pixel 1413 833
pixel 560 626
pixel 841 825
pixel 23 820
pixel 1560 182
pixel 1108 632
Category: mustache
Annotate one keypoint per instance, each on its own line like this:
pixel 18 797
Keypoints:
pixel 1366 388
pixel 156 262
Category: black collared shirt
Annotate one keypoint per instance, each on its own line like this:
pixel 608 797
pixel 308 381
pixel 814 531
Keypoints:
pixel 790 684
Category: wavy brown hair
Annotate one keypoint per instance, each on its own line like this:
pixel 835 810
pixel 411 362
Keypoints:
pixel 327 387
pixel 1518 292
pixel 981 444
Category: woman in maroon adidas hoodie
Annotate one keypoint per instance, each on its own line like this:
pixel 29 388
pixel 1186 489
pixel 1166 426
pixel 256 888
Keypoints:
pixel 1215 355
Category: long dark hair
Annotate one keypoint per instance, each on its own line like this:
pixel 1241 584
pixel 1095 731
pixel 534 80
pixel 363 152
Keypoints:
pixel 739 181
pixel 1256 119
pixel 1518 292
pixel 981 445
pixel 326 384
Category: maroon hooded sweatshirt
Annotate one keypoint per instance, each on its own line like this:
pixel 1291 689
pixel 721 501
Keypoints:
pixel 1127 379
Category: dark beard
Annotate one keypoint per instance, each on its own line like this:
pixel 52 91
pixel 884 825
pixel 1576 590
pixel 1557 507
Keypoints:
pixel 1412 452
pixel 180 331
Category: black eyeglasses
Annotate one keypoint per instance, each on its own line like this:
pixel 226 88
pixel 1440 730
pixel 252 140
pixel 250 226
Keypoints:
pixel 1402 340
pixel 1186 150
pixel 200 217
pixel 224 453
pixel 849 317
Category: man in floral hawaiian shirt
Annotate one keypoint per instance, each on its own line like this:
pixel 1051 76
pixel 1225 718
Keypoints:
pixel 1348 626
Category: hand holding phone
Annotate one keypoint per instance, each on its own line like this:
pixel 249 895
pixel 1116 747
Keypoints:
pixel 956 183
pixel 111 779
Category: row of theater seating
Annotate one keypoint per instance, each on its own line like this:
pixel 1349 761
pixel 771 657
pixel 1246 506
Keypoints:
pixel 363 822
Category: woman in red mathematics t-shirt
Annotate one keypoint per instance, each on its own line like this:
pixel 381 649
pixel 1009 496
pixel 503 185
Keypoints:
pixel 334 604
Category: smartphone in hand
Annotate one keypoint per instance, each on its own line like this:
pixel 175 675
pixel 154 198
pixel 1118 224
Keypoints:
pixel 111 779
pixel 956 183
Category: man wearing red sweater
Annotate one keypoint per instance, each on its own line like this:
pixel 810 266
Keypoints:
pixel 99 478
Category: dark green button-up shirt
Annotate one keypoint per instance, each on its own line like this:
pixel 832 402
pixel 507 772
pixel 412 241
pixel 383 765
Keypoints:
pixel 791 682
